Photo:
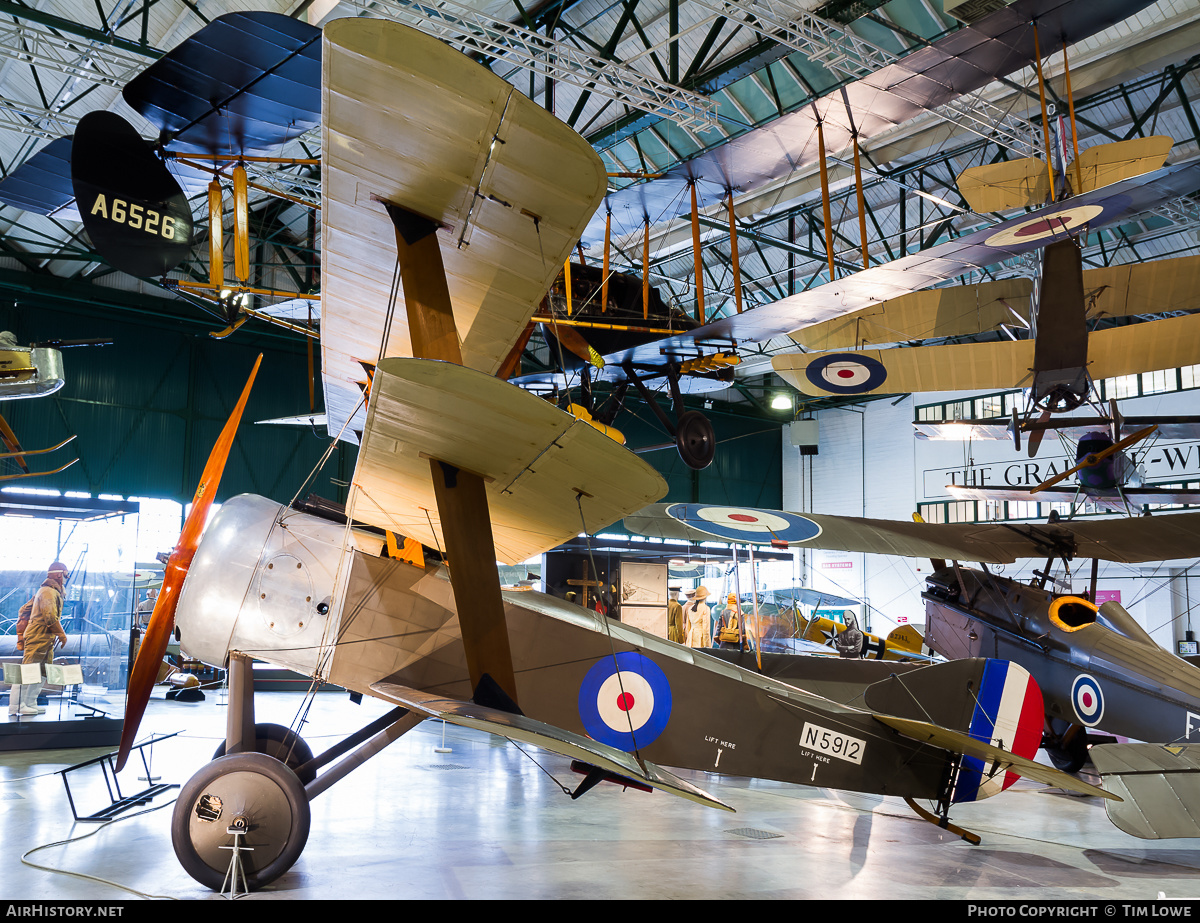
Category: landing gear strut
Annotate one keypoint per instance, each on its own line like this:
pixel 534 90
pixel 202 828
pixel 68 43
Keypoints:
pixel 258 802
pixel 693 432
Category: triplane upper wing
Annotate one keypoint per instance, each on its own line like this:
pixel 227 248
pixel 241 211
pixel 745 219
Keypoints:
pixel 510 186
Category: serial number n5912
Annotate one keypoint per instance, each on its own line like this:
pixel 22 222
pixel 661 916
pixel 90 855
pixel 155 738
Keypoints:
pixel 832 743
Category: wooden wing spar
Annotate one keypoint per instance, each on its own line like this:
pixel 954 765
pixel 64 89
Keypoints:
pixel 510 186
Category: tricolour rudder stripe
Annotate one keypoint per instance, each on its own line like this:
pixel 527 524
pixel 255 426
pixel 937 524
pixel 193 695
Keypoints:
pixel 1008 713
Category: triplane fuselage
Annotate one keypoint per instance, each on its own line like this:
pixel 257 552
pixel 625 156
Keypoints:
pixel 324 599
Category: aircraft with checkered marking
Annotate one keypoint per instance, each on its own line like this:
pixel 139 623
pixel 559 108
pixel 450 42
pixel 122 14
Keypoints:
pixel 456 459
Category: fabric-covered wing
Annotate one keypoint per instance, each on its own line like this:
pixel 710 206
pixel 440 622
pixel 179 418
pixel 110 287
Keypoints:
pixel 1158 287
pixel 1161 344
pixel 960 367
pixel 871 287
pixel 549 476
pixel 548 737
pixel 996 187
pixel 1159 787
pixel 1102 164
pixel 932 76
pixel 409 120
pixel 42 184
pixel 1158 538
pixel 940 312
pixel 1113 499
pixel 245 83
pixel 1072 427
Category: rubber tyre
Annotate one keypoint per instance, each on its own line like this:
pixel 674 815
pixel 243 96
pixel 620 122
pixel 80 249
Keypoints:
pixel 1070 752
pixel 695 439
pixel 282 743
pixel 251 785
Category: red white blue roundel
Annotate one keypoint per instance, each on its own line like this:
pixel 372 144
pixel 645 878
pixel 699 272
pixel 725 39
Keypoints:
pixel 739 524
pixel 625 701
pixel 1061 222
pixel 1087 698
pixel 846 373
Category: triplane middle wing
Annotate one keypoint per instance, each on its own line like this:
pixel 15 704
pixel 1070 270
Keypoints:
pixel 493 471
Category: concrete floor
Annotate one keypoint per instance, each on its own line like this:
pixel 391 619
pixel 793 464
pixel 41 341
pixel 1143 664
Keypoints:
pixel 485 821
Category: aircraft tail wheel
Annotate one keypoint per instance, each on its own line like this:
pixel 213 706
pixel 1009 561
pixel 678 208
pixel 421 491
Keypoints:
pixel 282 743
pixel 248 789
pixel 695 439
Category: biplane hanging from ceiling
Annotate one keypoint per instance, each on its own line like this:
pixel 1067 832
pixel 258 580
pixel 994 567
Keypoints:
pixel 861 371
pixel 244 114
pixel 959 63
pixel 700 359
pixel 1056 357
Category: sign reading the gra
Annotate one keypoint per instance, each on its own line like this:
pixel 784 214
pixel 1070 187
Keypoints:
pixel 1161 463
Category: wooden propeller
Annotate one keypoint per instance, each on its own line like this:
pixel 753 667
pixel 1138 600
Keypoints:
pixel 1094 458
pixel 1037 432
pixel 144 674
pixel 574 341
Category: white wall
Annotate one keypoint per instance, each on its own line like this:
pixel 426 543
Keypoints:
pixel 871 465
pixel 864 468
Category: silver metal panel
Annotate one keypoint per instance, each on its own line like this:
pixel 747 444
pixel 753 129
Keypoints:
pixel 257 584
pixel 49 377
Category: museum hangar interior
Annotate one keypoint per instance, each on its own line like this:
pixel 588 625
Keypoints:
pixel 776 353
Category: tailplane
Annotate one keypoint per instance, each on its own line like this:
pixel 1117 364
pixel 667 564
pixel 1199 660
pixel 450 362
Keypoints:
pixel 1159 787
pixel 993 702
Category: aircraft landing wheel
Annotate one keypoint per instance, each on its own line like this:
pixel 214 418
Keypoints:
pixel 248 789
pixel 1069 750
pixel 282 743
pixel 695 439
